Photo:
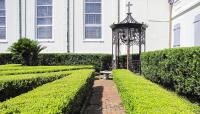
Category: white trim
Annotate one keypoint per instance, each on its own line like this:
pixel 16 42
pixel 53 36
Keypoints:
pixel 36 26
pixel 93 25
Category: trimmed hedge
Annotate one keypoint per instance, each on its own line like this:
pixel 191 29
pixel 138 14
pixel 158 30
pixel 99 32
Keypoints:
pixel 40 70
pixel 5 58
pixel 99 61
pixel 141 96
pixel 11 86
pixel 177 69
pixel 65 95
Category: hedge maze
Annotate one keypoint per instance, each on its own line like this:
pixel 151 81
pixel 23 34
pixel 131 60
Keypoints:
pixel 44 89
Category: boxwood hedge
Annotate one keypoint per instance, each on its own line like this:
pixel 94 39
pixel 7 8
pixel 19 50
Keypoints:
pixel 141 96
pixel 41 69
pixel 65 95
pixel 11 86
pixel 178 69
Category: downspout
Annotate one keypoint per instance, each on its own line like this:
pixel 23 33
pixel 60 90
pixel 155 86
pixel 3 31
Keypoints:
pixel 20 19
pixel 68 26
pixel 25 16
pixel 118 11
pixel 171 3
pixel 73 28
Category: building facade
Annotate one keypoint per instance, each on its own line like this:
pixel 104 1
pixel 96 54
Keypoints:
pixel 79 26
pixel 186 23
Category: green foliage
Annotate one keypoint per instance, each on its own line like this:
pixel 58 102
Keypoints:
pixel 141 96
pixel 5 58
pixel 27 50
pixel 65 95
pixel 99 61
pixel 11 86
pixel 178 69
pixel 39 69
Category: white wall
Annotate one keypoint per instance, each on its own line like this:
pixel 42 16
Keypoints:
pixel 184 13
pixel 109 15
pixel 12 25
pixel 155 14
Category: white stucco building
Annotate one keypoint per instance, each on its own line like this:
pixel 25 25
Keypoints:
pixel 83 26
pixel 186 23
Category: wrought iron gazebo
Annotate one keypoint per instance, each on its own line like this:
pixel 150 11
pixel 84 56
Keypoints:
pixel 128 32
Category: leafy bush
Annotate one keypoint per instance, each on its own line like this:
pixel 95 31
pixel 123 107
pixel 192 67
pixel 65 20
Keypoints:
pixel 41 69
pixel 99 61
pixel 141 96
pixel 11 86
pixel 178 69
pixel 27 50
pixel 5 58
pixel 65 95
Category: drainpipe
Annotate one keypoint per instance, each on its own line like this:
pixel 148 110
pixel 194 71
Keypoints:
pixel 68 26
pixel 73 27
pixel 25 17
pixel 171 3
pixel 118 11
pixel 20 19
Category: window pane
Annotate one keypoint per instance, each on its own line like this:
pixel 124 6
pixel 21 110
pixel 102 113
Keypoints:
pixel 2 4
pixel 93 7
pixel 2 13
pixel 2 33
pixel 2 21
pixel 92 0
pixel 92 32
pixel 44 2
pixel 44 21
pixel 93 19
pixel 44 11
pixel 44 32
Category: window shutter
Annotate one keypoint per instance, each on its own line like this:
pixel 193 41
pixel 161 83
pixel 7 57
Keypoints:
pixel 177 35
pixel 197 30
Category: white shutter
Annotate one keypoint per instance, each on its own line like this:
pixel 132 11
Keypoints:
pixel 197 30
pixel 177 35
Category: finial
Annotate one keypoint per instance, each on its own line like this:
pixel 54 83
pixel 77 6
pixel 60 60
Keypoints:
pixel 129 7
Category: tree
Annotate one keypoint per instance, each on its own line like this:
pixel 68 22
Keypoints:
pixel 27 50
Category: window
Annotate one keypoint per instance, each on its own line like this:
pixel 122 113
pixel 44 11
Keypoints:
pixel 177 35
pixel 44 19
pixel 93 19
pixel 2 20
pixel 197 30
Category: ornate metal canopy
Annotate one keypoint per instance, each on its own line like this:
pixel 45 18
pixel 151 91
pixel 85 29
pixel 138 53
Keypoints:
pixel 128 32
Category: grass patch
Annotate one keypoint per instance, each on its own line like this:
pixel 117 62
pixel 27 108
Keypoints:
pixel 141 96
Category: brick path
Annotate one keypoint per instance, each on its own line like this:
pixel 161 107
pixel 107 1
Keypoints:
pixel 105 99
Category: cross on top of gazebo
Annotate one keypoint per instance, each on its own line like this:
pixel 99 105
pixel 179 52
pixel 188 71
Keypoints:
pixel 129 7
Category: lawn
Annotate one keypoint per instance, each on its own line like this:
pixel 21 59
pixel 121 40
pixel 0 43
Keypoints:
pixel 140 96
pixel 44 89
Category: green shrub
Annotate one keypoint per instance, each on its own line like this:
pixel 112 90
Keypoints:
pixel 65 95
pixel 40 69
pixel 5 58
pixel 27 50
pixel 11 86
pixel 141 96
pixel 99 61
pixel 178 69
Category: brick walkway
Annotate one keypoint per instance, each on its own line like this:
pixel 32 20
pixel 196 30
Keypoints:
pixel 105 99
